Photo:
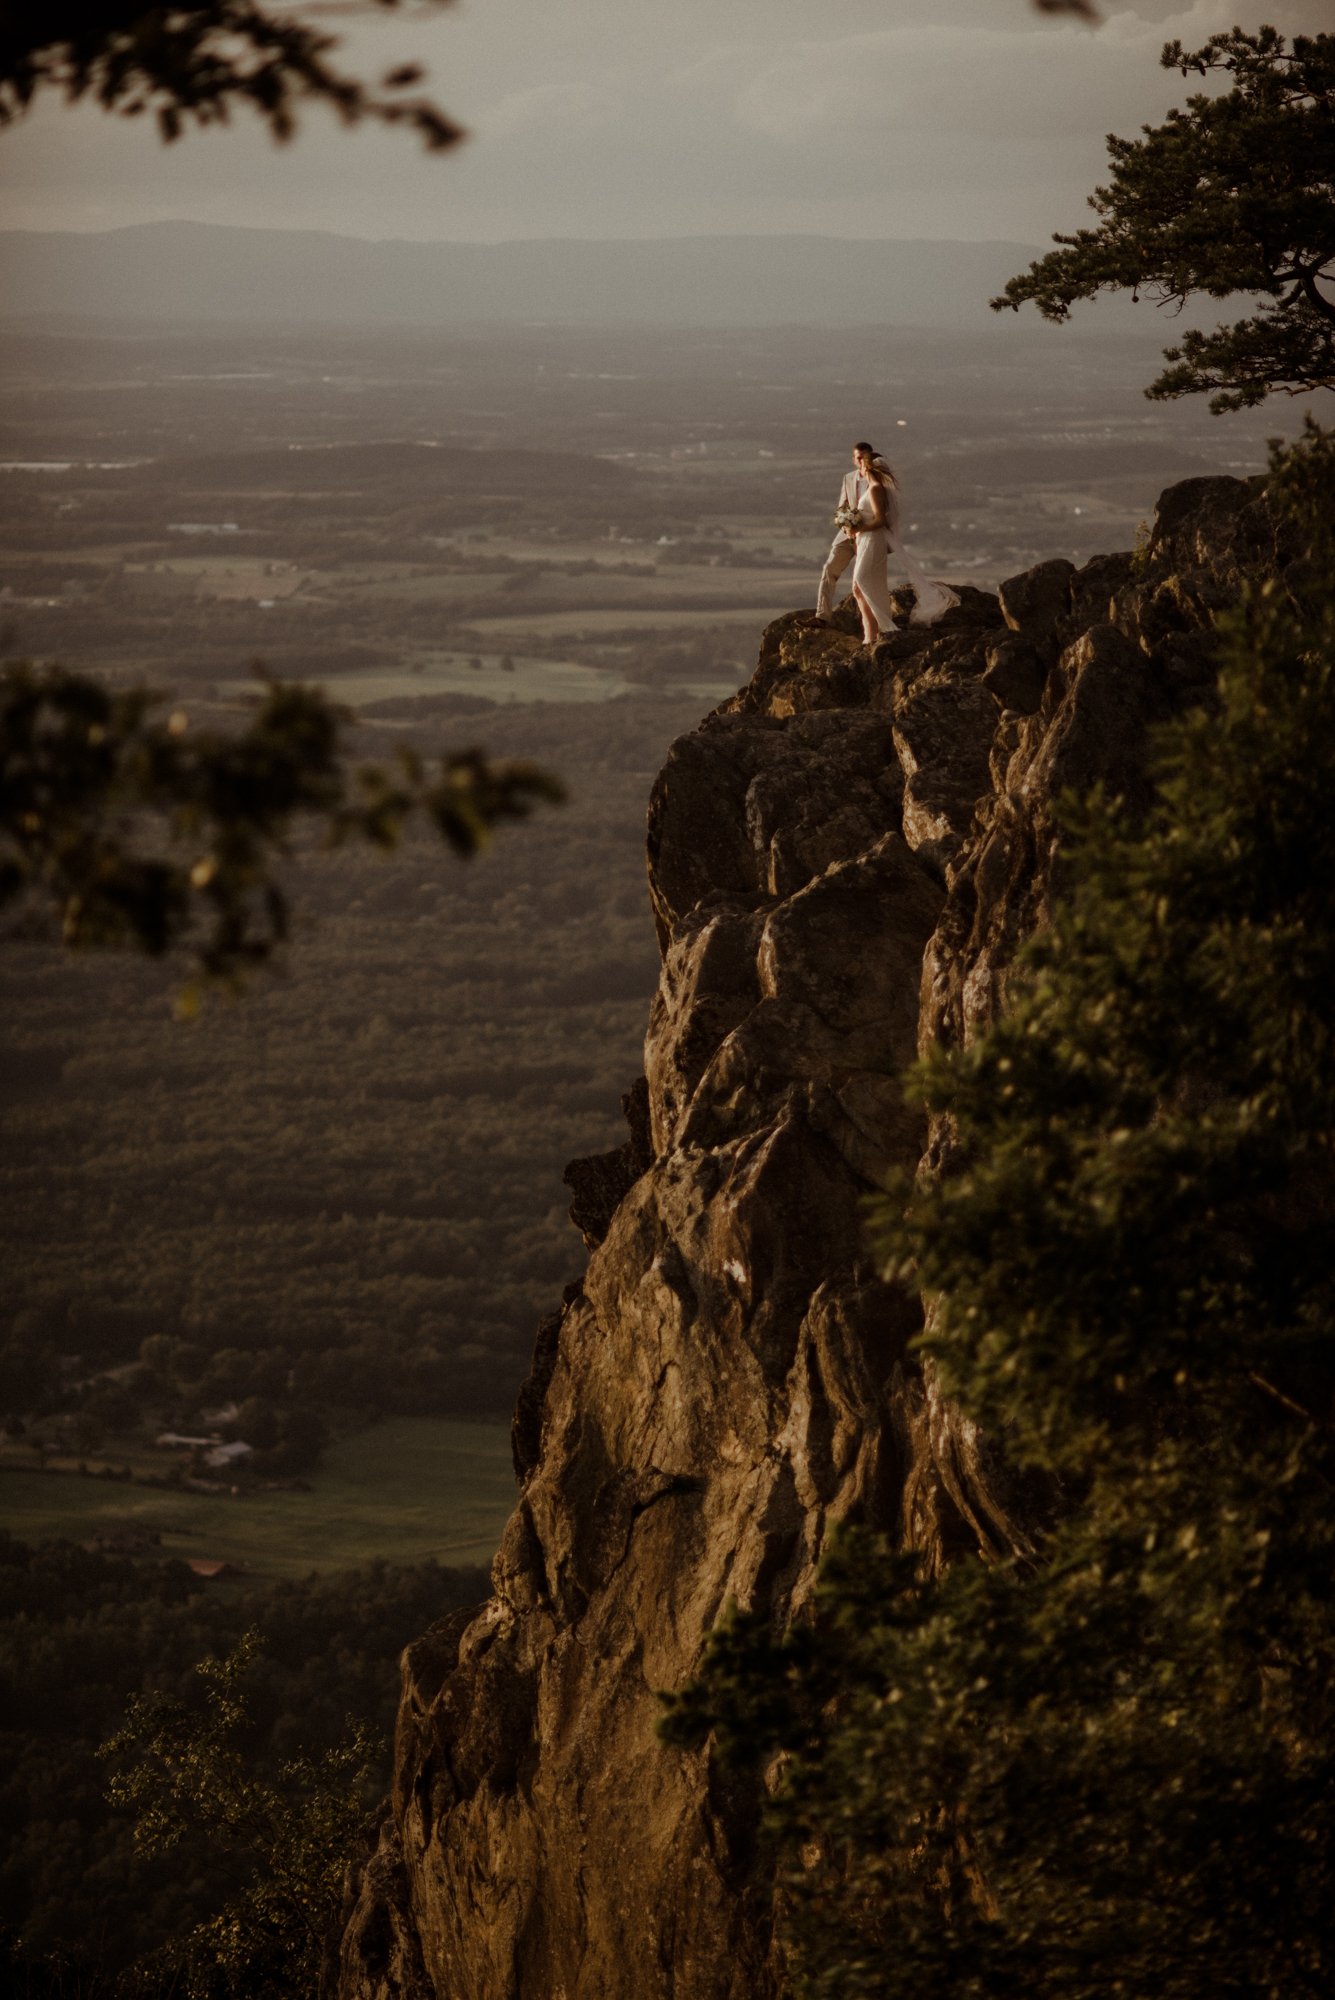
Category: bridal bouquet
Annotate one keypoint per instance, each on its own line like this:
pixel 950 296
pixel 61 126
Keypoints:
pixel 847 517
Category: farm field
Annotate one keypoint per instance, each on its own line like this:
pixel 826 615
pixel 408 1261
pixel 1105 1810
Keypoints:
pixel 403 1490
pixel 345 1193
pixel 525 678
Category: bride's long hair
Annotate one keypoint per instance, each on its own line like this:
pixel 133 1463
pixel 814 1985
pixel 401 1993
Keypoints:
pixel 883 471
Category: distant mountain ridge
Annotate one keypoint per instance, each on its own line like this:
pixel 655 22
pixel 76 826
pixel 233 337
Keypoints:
pixel 196 271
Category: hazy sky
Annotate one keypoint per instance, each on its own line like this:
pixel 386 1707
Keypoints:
pixel 902 118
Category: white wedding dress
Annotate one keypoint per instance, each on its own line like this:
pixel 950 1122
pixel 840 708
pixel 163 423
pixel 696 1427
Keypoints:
pixel 869 571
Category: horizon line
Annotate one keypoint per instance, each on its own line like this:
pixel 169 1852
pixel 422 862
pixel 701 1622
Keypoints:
pixel 506 242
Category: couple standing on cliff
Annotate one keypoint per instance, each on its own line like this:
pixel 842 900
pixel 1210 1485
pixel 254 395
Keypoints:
pixel 868 522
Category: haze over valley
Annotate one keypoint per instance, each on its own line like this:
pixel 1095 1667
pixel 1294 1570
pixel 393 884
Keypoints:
pixel 558 541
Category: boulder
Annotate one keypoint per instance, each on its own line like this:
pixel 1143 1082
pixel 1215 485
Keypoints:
pixel 1015 674
pixel 756 804
pixel 1205 523
pixel 943 734
pixel 1035 600
pixel 1103 696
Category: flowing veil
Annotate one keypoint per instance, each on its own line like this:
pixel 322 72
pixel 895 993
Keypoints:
pixel 931 598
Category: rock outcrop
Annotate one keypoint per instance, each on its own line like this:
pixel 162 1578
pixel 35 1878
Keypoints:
pixel 843 861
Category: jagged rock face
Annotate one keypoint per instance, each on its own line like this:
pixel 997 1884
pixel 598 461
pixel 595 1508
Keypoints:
pixel 843 863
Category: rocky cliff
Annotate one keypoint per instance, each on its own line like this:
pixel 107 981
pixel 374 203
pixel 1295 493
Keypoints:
pixel 842 862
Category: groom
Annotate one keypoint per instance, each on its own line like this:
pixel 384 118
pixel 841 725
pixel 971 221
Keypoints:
pixel 844 546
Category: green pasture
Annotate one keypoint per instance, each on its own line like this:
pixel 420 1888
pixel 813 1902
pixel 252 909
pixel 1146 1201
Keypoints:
pixel 506 631
pixel 207 561
pixel 437 586
pixel 723 586
pixel 404 1489
pixel 532 677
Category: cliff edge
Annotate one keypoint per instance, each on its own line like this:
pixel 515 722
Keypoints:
pixel 843 860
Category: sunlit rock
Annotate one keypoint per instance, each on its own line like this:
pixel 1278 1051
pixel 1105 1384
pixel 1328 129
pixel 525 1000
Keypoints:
pixel 844 862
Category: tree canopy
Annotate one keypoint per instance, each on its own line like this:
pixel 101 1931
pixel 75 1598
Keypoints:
pixel 1106 1769
pixel 1233 196
pixel 281 1839
pixel 194 61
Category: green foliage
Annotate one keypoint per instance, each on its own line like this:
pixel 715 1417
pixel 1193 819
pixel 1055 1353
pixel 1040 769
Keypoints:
pixel 281 1841
pixel 197 63
pixel 1233 195
pixel 1157 1108
pixel 98 798
pixel 85 1634
pixel 1107 1770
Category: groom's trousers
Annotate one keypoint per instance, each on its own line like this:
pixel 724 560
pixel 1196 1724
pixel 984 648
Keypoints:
pixel 842 551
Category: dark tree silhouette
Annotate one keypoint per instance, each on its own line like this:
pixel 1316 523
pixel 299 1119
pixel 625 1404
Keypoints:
pixel 1232 197
pixel 196 62
pixel 132 828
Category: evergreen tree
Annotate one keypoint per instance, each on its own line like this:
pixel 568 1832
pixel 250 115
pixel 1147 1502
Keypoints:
pixel 1235 195
pixel 1106 1770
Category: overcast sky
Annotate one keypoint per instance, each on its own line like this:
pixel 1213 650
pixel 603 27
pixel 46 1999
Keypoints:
pixel 963 119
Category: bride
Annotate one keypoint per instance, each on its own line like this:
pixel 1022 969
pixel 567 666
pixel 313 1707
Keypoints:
pixel 875 526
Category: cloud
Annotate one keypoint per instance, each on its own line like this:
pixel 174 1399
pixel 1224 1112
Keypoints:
pixel 551 106
pixel 958 118
pixel 981 84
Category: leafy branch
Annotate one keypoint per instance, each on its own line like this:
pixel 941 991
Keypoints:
pixel 193 60
pixel 180 1772
pixel 119 827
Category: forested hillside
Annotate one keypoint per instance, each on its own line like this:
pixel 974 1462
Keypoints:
pixel 346 1190
pixel 81 1632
